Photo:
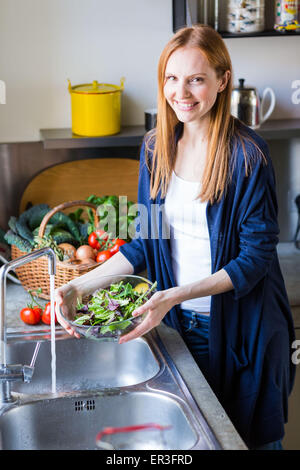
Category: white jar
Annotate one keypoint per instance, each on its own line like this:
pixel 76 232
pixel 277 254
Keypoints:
pixel 245 16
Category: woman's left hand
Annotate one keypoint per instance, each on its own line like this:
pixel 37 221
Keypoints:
pixel 158 306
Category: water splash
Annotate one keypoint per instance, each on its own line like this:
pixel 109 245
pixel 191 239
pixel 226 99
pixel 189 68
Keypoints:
pixel 53 350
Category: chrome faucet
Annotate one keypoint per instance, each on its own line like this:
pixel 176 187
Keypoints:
pixel 12 373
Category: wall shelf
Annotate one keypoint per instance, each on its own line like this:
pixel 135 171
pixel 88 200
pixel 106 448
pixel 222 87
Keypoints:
pixel 279 129
pixel 270 33
pixel 130 136
pixel 203 11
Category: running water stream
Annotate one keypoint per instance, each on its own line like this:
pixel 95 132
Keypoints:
pixel 53 350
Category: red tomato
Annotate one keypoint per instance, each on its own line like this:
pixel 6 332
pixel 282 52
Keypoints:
pixel 31 316
pixel 93 242
pixel 116 245
pixel 97 239
pixel 46 317
pixel 103 256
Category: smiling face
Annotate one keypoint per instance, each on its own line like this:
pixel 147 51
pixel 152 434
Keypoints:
pixel 191 84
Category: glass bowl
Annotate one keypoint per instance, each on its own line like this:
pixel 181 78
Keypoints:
pixel 105 330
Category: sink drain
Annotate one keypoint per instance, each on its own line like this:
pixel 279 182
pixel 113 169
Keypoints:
pixel 81 405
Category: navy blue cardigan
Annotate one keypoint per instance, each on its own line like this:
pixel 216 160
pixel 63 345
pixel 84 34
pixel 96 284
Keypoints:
pixel 251 327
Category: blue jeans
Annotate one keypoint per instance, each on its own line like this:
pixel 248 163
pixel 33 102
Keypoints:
pixel 276 445
pixel 195 328
pixel 195 333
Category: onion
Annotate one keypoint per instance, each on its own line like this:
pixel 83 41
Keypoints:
pixel 74 261
pixel 85 252
pixel 87 261
pixel 69 251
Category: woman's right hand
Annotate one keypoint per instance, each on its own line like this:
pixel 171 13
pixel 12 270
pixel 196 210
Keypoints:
pixel 61 306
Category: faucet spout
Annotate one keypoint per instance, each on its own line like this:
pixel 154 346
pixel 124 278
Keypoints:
pixel 27 371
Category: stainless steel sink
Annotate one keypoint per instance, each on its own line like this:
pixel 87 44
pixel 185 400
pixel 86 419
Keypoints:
pixel 98 385
pixel 73 422
pixel 84 364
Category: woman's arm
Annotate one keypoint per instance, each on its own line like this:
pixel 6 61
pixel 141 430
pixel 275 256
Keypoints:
pixel 161 302
pixel 217 283
pixel 255 214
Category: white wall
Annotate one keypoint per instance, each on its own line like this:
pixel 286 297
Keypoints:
pixel 270 62
pixel 44 42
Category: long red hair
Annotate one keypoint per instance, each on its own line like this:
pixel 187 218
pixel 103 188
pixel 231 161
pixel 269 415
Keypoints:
pixel 222 126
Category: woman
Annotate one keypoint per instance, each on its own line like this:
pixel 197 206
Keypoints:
pixel 211 180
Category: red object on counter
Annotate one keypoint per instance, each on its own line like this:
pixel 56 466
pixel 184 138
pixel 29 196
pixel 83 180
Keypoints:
pixel 31 316
pixel 46 317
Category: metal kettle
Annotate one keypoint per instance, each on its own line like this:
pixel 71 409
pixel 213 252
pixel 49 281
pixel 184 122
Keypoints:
pixel 247 106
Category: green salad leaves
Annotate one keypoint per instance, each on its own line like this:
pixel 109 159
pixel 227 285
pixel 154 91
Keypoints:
pixel 112 308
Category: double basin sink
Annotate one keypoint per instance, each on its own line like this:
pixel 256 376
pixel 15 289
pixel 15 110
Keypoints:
pixel 100 384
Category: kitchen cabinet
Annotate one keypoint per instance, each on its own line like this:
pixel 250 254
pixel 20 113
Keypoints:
pixel 211 12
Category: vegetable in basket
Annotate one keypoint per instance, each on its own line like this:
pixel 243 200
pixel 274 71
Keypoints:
pixel 71 228
pixel 23 230
pixel 121 217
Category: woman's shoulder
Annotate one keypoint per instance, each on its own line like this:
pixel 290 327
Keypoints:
pixel 248 148
pixel 254 138
pixel 244 136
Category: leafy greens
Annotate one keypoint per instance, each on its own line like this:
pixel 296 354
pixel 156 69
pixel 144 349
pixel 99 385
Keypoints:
pixel 108 307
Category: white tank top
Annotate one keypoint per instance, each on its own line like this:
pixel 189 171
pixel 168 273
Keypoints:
pixel 189 237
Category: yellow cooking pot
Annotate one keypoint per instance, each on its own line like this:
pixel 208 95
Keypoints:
pixel 96 108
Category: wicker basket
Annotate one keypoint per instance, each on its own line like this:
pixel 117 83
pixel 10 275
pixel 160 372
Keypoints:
pixel 34 275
